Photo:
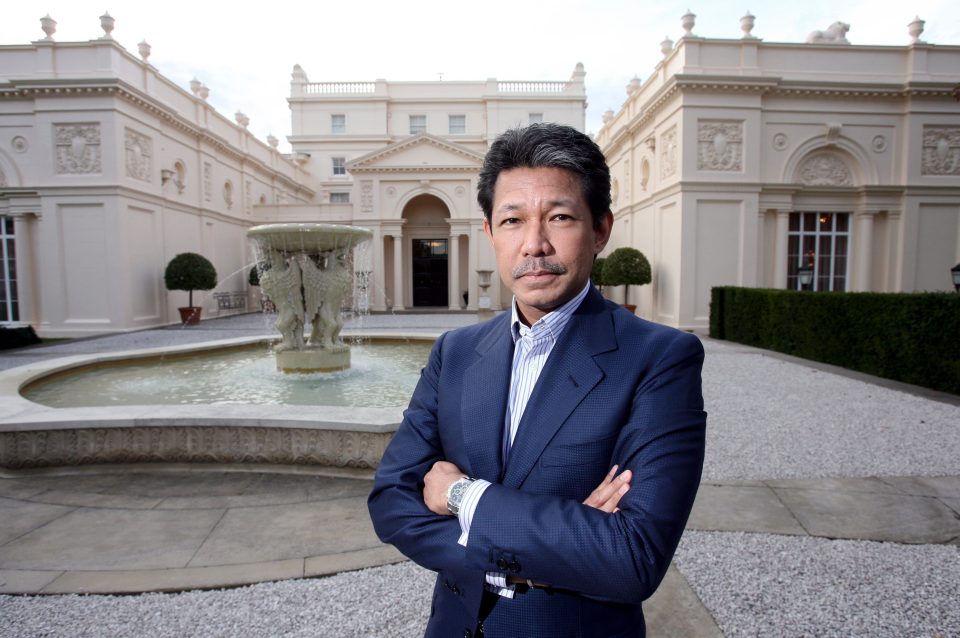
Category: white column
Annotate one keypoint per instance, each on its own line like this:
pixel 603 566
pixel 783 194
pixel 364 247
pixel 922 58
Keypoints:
pixel 398 272
pixel 864 251
pixel 453 272
pixel 780 254
pixel 472 284
pixel 378 274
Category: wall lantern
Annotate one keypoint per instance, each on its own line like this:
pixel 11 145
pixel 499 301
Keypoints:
pixel 805 276
pixel 955 273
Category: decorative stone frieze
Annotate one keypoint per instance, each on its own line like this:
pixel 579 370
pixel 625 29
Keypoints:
pixel 824 170
pixel 77 148
pixel 138 149
pixel 668 153
pixel 207 181
pixel 941 150
pixel 719 145
pixel 366 196
pixel 196 444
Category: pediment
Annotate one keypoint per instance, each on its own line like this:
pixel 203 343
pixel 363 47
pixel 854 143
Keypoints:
pixel 421 153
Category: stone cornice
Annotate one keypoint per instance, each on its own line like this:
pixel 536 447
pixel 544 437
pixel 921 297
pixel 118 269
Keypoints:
pixel 744 85
pixel 32 89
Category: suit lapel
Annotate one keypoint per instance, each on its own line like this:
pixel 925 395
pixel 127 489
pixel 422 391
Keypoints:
pixel 486 385
pixel 568 376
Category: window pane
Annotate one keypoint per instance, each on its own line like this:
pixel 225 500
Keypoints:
pixel 809 221
pixel 418 124
pixel 339 166
pixel 843 222
pixel 338 124
pixel 339 198
pixel 794 222
pixel 535 118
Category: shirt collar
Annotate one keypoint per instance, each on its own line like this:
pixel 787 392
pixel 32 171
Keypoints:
pixel 550 325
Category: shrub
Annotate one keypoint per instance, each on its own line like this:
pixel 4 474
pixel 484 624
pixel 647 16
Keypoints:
pixel 190 271
pixel 626 267
pixel 254 277
pixel 910 337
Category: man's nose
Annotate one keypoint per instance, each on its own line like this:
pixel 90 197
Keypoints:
pixel 535 240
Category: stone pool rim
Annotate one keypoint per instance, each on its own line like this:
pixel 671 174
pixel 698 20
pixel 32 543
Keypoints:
pixel 34 435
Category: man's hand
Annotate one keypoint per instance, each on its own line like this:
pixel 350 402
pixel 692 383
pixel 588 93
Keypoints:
pixel 436 483
pixel 607 495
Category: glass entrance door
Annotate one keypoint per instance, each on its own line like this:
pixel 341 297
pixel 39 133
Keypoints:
pixel 430 272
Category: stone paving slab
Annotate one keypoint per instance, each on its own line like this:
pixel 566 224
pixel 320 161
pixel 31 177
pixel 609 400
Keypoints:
pixel 740 508
pixel 871 516
pixel 23 581
pixel 158 580
pixel 98 538
pixel 20 517
pixel 674 611
pixel 349 561
pixel 285 531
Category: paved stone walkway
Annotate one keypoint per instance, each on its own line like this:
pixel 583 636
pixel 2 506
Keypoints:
pixel 116 529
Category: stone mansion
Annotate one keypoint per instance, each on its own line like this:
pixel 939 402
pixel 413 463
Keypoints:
pixel 734 162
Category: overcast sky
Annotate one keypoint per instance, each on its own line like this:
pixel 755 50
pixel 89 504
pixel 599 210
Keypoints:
pixel 245 55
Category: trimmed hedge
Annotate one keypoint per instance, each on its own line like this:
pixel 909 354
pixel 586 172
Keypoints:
pixel 912 337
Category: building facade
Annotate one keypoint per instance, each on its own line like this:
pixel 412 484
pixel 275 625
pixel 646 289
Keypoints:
pixel 107 171
pixel 737 161
pixel 403 158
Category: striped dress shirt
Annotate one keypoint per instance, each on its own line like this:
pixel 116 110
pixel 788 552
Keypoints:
pixel 532 348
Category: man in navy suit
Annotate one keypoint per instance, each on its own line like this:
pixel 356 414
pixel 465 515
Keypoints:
pixel 499 478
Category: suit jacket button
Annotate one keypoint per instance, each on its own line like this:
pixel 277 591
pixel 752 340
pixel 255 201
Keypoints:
pixel 514 567
pixel 502 564
pixel 467 634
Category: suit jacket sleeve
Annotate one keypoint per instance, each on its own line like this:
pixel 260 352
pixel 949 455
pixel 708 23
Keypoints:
pixel 618 557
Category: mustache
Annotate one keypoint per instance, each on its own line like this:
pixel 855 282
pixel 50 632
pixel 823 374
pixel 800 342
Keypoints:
pixel 530 265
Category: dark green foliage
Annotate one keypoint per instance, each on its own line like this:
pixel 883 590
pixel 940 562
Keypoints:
pixel 254 277
pixel 596 274
pixel 17 337
pixel 913 338
pixel 190 271
pixel 626 267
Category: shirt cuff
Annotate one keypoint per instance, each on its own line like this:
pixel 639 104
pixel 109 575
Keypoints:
pixel 471 497
pixel 497 583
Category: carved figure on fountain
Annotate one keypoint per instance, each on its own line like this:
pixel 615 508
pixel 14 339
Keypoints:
pixel 281 280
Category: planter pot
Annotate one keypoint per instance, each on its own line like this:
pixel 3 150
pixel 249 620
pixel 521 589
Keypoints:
pixel 190 316
pixel 631 307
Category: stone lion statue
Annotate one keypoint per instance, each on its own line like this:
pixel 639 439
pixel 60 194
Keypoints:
pixel 836 33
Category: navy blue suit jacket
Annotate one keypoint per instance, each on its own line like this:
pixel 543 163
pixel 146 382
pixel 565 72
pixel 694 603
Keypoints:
pixel 615 390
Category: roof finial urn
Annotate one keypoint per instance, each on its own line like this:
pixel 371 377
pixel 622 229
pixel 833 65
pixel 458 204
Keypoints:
pixel 144 49
pixel 915 29
pixel 687 21
pixel 49 26
pixel 106 23
pixel 746 25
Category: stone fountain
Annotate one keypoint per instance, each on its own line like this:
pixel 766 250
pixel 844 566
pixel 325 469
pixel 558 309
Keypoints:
pixel 304 271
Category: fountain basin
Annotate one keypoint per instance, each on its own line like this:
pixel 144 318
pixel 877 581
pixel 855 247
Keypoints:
pixel 347 440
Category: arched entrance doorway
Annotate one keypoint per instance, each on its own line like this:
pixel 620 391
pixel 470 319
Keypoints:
pixel 428 232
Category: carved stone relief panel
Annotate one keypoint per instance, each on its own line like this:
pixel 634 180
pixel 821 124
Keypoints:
pixel 824 170
pixel 668 153
pixel 207 181
pixel 941 150
pixel 138 150
pixel 366 196
pixel 719 145
pixel 77 148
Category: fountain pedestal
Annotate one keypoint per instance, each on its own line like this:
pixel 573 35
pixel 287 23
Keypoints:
pixel 303 268
pixel 314 359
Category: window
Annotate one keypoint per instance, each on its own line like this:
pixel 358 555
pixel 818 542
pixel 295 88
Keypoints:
pixel 535 118
pixel 338 124
pixel 9 299
pixel 821 240
pixel 339 198
pixel 458 124
pixel 339 166
pixel 418 124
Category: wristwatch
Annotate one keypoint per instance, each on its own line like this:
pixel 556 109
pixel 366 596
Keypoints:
pixel 455 494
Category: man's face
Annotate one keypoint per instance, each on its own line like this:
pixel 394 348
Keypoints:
pixel 543 236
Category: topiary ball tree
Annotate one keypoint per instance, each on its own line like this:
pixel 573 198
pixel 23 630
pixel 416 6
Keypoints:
pixel 596 274
pixel 190 271
pixel 254 277
pixel 626 267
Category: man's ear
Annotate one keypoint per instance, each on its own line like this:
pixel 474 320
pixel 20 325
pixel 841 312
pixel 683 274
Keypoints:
pixel 602 233
pixel 487 229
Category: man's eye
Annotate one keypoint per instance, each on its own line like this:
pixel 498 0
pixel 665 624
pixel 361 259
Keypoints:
pixel 507 221
pixel 561 217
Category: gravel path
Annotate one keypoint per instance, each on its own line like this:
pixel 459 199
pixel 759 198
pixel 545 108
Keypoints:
pixel 766 585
